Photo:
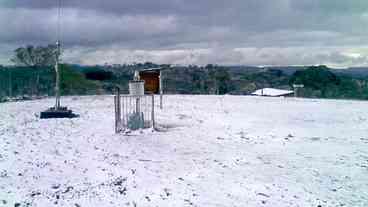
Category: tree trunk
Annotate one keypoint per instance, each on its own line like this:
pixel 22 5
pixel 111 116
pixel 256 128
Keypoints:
pixel 38 83
pixel 10 84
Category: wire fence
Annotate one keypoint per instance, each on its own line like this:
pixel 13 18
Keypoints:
pixel 134 112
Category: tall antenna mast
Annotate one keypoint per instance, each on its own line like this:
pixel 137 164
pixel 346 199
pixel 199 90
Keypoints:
pixel 59 20
pixel 57 111
pixel 58 45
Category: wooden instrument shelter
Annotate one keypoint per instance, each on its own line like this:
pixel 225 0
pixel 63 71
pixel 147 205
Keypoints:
pixel 153 81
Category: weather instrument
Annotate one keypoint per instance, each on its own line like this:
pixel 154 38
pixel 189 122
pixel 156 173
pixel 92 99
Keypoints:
pixel 137 109
pixel 297 88
pixel 57 111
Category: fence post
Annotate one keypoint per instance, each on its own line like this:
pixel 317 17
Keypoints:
pixel 117 111
pixel 123 111
pixel 119 108
pixel 116 114
pixel 153 112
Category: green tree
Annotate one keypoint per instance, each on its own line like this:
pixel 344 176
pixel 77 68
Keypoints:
pixel 73 82
pixel 321 82
pixel 35 57
pixel 223 80
pixel 220 78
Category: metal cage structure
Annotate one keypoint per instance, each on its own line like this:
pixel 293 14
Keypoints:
pixel 133 112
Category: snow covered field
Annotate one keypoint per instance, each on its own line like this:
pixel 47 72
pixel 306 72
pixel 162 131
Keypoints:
pixel 215 151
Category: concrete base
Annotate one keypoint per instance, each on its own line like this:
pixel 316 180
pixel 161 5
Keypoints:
pixel 61 112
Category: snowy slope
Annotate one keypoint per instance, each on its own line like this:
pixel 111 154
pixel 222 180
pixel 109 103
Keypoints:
pixel 215 151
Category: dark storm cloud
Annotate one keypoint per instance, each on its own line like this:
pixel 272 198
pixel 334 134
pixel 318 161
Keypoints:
pixel 141 6
pixel 151 29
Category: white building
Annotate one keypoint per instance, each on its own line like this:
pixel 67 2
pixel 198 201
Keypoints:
pixel 272 92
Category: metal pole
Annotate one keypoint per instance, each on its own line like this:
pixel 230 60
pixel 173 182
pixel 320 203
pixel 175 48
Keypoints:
pixel 116 114
pixel 161 89
pixel 137 104
pixel 126 111
pixel 57 85
pixel 119 110
pixel 153 112
pixel 123 106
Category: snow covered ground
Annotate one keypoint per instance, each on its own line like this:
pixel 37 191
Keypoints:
pixel 215 151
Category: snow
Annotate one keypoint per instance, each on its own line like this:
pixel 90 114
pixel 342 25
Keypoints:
pixel 210 151
pixel 272 92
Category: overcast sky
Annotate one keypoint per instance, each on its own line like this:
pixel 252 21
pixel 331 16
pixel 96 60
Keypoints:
pixel 231 32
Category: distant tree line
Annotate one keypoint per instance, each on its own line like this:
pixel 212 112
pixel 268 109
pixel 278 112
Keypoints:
pixel 319 81
pixel 34 75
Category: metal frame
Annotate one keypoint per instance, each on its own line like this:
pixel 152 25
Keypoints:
pixel 128 105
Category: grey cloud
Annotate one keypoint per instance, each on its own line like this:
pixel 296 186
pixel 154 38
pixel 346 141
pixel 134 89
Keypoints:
pixel 336 57
pixel 180 25
pixel 331 6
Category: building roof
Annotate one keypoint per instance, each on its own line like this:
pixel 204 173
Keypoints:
pixel 153 69
pixel 272 92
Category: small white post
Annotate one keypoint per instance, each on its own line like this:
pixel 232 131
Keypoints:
pixel 161 89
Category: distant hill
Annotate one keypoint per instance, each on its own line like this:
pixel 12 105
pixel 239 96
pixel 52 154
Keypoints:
pixel 361 72
pixel 357 72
